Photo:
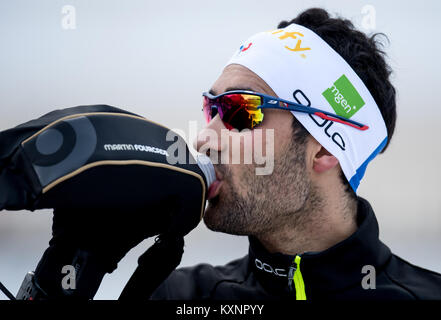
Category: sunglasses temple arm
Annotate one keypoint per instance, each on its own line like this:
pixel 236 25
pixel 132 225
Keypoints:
pixel 351 123
pixel 324 115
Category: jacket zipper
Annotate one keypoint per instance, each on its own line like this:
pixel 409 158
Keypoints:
pixel 295 275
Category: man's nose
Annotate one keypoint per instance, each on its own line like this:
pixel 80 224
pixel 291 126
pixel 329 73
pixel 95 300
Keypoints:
pixel 209 138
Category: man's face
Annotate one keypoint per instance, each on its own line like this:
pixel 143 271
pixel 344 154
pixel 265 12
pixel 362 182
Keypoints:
pixel 245 203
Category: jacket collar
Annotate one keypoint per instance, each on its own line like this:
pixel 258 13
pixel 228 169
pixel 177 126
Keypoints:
pixel 335 268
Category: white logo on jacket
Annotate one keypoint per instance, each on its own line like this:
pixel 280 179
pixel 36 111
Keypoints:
pixel 266 267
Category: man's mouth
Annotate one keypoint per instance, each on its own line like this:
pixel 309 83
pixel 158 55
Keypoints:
pixel 214 189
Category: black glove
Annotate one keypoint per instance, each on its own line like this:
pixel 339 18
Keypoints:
pixel 112 182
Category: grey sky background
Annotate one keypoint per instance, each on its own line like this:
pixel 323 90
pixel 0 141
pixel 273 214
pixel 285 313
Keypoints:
pixel 155 58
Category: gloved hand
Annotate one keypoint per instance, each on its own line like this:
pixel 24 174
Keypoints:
pixel 93 242
pixel 112 181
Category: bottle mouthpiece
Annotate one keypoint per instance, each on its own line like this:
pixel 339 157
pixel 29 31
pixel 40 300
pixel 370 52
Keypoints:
pixel 205 164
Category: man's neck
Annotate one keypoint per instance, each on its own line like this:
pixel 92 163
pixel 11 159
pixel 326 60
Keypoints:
pixel 314 228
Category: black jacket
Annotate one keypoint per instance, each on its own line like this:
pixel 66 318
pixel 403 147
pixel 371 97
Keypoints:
pixel 336 273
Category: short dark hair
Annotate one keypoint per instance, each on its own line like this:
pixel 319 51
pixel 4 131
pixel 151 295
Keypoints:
pixel 363 53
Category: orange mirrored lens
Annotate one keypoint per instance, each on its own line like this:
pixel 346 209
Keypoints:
pixel 239 111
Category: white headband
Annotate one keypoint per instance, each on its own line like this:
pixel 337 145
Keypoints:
pixel 300 67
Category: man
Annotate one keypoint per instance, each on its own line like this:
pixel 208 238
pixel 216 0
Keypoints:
pixel 310 236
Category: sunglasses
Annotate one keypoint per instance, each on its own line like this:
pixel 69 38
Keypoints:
pixel 242 109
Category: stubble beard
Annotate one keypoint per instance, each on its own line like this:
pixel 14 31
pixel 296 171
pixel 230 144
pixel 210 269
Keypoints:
pixel 255 205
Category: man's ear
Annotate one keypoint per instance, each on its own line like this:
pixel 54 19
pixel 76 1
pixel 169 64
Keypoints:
pixel 324 161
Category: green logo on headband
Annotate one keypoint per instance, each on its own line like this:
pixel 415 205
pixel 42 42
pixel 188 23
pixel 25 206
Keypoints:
pixel 343 97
